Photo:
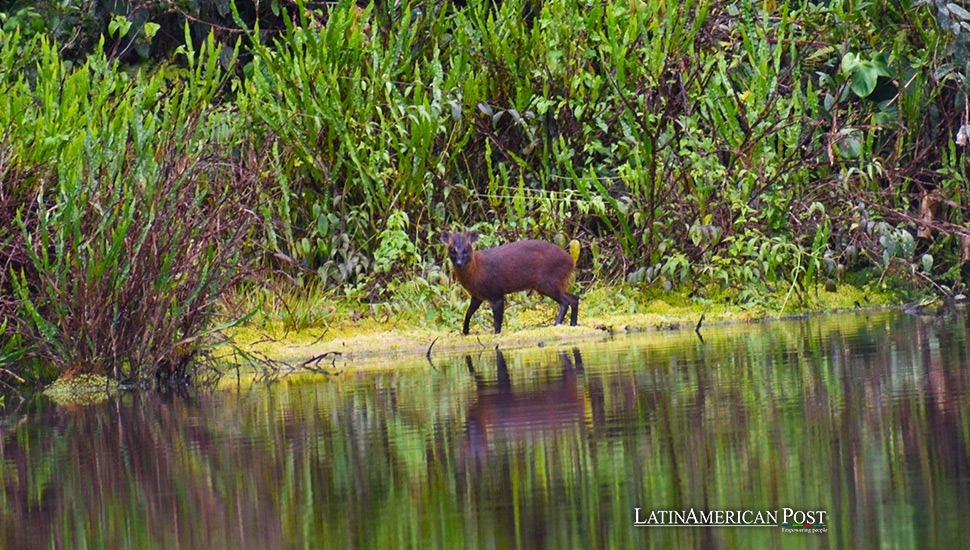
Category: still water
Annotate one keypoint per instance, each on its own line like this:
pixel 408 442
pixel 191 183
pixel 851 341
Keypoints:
pixel 864 416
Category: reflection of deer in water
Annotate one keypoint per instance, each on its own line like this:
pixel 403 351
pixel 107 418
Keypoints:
pixel 504 414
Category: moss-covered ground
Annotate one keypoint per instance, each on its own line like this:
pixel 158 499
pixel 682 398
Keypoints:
pixel 370 341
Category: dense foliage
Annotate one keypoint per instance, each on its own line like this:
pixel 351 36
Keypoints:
pixel 748 149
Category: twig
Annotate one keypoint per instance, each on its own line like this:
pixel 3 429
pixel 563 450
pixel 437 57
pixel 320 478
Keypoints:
pixel 697 329
pixel 317 358
pixel 428 354
pixel 12 375
pixel 325 331
pixel 938 287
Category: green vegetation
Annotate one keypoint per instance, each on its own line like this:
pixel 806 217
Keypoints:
pixel 81 390
pixel 170 169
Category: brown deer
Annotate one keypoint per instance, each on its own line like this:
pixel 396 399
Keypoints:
pixel 488 275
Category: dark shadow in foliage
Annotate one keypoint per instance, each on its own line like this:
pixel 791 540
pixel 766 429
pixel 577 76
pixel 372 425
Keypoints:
pixel 78 25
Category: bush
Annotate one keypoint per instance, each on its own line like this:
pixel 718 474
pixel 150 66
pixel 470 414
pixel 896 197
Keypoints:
pixel 125 213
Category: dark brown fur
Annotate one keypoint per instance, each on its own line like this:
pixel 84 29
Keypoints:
pixel 488 275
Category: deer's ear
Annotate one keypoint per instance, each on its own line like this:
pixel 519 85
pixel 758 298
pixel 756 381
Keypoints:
pixel 446 237
pixel 472 237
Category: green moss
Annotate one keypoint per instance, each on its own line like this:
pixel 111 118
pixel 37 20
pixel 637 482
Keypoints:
pixel 82 390
pixel 528 322
pixel 377 342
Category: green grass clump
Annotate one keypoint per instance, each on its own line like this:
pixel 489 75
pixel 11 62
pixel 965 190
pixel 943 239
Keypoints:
pixel 127 217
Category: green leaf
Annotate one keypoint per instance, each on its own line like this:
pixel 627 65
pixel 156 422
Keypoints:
pixel 878 62
pixel 151 29
pixel 884 117
pixel 119 24
pixel 695 235
pixel 864 80
pixel 849 62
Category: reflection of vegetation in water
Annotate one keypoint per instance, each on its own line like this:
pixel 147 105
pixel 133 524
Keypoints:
pixel 856 415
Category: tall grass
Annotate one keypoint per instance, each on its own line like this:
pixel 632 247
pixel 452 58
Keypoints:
pixel 126 215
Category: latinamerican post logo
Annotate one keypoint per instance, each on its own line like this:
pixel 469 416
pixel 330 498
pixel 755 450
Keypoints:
pixel 792 521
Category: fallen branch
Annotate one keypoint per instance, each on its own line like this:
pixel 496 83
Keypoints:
pixel 317 358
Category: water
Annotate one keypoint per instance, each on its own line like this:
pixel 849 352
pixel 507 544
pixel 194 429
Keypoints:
pixel 862 416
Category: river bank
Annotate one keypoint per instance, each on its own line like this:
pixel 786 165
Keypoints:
pixel 350 338
pixel 371 342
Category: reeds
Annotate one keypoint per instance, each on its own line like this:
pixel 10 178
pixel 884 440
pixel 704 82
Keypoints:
pixel 126 208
